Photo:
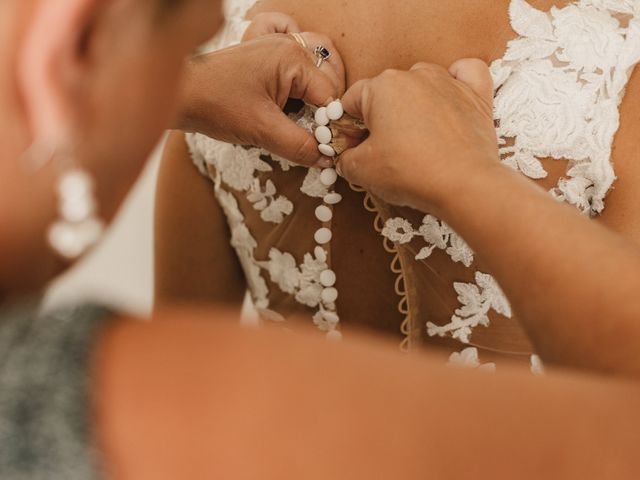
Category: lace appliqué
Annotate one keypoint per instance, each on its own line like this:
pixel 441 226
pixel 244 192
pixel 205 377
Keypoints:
pixel 302 281
pixel 312 186
pixel 264 200
pixel 239 168
pixel 469 358
pixel 537 367
pixel 244 244
pixel 558 89
pixel 239 165
pixel 477 301
pixel 436 233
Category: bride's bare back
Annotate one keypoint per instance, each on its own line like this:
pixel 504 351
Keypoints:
pixel 379 35
pixel 554 428
pixel 374 36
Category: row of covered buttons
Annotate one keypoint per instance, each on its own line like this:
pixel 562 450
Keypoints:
pixel 323 116
pixel 323 236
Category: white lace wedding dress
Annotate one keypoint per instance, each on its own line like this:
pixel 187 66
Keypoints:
pixel 558 89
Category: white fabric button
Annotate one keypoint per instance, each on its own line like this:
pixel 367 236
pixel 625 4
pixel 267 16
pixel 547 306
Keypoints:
pixel 323 135
pixel 321 116
pixel 328 177
pixel 335 110
pixel 323 236
pixel 328 278
pixel 329 295
pixel 332 198
pixel 321 254
pixel 334 336
pixel 327 150
pixel 324 213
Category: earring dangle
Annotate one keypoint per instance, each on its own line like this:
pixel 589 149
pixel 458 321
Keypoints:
pixel 78 227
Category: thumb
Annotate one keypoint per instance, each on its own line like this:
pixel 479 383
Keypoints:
pixel 476 75
pixel 312 85
pixel 355 99
pixel 286 139
pixel 282 23
pixel 352 164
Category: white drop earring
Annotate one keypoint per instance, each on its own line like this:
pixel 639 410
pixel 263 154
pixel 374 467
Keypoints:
pixel 78 227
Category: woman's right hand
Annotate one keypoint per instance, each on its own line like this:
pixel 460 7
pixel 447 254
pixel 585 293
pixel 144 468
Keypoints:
pixel 431 130
pixel 238 94
pixel 270 23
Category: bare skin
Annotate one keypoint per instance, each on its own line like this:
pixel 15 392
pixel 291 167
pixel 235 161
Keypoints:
pixel 413 32
pixel 268 86
pixel 592 325
pixel 275 406
pixel 184 397
pixel 402 35
pixel 197 257
pixel 544 407
pixel 574 450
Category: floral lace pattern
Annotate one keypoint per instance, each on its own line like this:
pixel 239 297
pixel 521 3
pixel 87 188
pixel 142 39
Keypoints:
pixel 476 300
pixel 302 281
pixel 557 93
pixel 236 168
pixel 470 358
pixel 435 233
pixel 558 89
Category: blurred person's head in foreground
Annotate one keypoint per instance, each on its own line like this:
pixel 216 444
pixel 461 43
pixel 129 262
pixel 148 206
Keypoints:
pixel 86 88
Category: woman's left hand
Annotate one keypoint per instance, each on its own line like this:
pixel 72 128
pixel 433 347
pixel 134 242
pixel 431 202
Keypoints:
pixel 431 132
pixel 238 94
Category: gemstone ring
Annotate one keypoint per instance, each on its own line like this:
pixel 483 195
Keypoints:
pixel 322 54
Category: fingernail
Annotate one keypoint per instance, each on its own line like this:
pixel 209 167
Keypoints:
pixel 339 169
pixel 324 162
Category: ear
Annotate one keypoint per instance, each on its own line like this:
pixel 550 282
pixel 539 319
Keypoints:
pixel 51 54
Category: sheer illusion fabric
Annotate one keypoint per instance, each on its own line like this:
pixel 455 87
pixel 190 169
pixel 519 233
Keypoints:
pixel 558 89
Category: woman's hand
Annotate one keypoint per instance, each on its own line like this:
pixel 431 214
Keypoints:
pixel 430 131
pixel 268 23
pixel 238 94
pixel 272 22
